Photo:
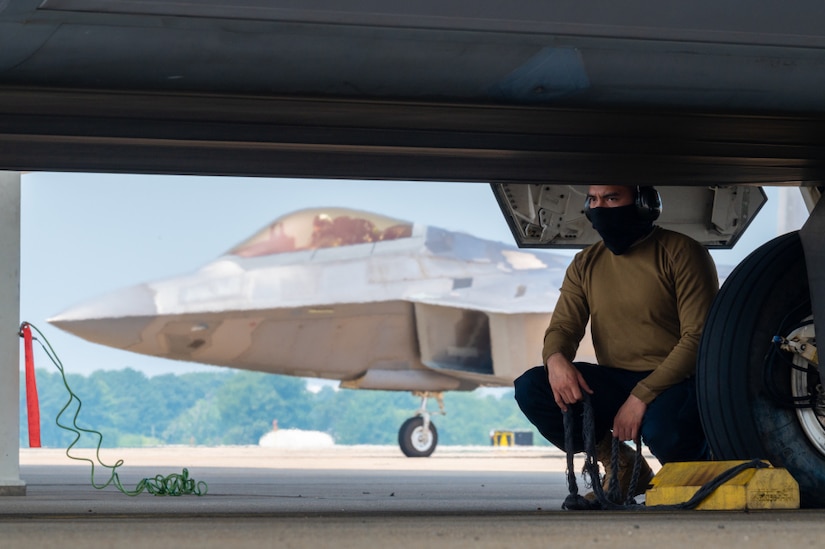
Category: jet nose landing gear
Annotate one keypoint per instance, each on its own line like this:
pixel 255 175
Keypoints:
pixel 418 436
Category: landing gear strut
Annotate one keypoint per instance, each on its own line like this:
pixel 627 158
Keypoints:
pixel 418 436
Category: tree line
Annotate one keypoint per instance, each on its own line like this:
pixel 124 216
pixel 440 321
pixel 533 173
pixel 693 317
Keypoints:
pixel 237 407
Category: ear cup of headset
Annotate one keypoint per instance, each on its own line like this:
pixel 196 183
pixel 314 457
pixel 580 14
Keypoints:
pixel 649 203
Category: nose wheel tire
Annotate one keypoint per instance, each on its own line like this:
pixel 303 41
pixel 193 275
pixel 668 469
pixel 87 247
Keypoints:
pixel 415 440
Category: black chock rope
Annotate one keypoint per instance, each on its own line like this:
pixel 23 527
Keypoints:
pixel 171 485
pixel 575 502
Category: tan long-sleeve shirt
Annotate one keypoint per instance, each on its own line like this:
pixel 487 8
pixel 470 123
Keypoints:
pixel 647 308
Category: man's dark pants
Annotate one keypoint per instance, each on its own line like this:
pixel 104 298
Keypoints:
pixel 671 427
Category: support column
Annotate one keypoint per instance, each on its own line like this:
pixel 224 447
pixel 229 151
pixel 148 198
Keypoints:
pixel 812 235
pixel 10 482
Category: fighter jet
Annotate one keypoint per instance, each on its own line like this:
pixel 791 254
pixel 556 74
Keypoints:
pixel 374 302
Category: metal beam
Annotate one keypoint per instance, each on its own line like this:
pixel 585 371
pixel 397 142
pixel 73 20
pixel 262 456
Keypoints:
pixel 812 235
pixel 132 132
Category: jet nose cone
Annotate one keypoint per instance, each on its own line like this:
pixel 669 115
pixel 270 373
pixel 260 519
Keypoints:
pixel 116 319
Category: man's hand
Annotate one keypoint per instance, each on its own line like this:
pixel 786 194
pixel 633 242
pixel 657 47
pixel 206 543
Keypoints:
pixel 628 421
pixel 565 380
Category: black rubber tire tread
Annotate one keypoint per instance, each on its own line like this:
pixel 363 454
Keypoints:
pixel 405 434
pixel 724 387
pixel 741 421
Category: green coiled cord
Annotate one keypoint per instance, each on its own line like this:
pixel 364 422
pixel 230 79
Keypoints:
pixel 170 485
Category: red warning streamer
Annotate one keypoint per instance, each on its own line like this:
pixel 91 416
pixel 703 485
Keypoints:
pixel 32 403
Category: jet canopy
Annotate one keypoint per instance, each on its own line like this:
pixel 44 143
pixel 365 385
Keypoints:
pixel 322 228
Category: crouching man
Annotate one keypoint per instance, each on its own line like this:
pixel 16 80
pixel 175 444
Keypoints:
pixel 647 292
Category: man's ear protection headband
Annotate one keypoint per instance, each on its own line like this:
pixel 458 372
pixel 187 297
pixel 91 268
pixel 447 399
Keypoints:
pixel 648 203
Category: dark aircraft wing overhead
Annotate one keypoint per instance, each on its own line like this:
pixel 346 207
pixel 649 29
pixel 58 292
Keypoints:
pixel 705 93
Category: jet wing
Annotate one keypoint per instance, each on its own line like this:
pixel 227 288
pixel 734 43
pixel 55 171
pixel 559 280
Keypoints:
pixel 667 93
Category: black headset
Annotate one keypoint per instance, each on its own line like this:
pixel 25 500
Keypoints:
pixel 648 203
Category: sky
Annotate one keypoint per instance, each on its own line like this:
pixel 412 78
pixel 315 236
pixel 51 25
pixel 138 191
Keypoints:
pixel 86 234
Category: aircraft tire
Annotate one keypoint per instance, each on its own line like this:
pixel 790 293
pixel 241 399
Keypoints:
pixel 414 441
pixel 766 294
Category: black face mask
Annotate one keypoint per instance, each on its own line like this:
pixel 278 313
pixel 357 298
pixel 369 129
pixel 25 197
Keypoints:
pixel 619 227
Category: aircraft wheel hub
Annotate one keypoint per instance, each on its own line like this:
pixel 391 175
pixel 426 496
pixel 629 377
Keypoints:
pixel 422 439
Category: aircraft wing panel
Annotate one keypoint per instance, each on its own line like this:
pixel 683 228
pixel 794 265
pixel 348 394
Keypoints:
pixel 566 92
